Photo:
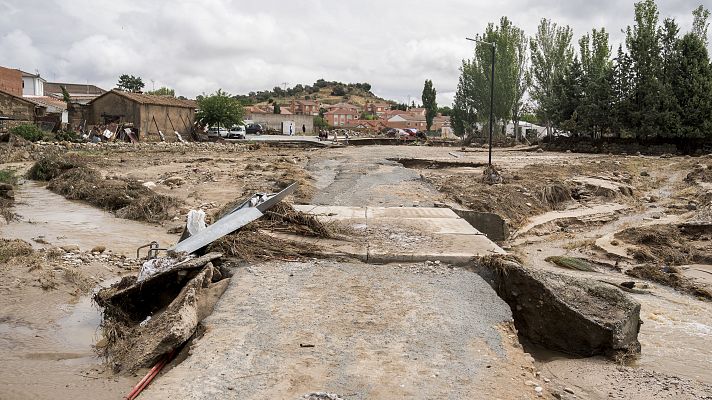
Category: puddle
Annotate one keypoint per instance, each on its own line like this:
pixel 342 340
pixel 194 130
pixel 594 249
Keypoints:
pixel 80 329
pixel 63 222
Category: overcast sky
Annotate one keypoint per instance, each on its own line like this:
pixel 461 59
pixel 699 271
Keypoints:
pixel 241 46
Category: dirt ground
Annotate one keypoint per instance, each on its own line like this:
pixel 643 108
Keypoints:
pixel 675 336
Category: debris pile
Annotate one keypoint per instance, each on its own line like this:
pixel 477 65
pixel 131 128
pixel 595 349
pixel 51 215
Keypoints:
pixel 157 311
pixel 145 319
pixel 70 177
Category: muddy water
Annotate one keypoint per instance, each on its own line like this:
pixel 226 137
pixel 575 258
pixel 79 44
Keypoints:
pixel 63 222
pixel 676 335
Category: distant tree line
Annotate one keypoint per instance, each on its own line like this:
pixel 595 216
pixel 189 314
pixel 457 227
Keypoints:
pixel 305 91
pixel 659 85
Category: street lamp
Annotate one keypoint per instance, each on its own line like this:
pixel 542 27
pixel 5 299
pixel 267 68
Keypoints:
pixel 491 123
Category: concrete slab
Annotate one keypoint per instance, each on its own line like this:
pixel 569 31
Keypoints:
pixel 409 212
pixel 430 225
pixel 407 234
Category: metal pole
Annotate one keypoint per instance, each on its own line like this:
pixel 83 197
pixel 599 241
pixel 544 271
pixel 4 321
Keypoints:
pixel 491 106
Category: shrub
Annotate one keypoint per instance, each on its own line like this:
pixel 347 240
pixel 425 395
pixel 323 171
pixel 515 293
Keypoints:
pixel 28 132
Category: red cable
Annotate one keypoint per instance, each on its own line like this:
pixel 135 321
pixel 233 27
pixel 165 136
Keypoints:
pixel 146 380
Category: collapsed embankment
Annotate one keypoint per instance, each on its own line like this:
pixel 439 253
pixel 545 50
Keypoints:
pixel 562 313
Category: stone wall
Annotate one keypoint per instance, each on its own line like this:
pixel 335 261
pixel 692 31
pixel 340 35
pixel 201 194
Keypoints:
pixel 16 108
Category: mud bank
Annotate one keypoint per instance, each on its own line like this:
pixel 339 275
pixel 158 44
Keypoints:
pixel 562 313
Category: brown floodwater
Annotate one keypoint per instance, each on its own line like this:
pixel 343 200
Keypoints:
pixel 52 218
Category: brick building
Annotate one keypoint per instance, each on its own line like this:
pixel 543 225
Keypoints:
pixel 11 81
pixel 342 117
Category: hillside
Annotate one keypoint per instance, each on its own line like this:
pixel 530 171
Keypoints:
pixel 324 91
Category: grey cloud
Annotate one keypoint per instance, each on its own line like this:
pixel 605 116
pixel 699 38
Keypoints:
pixel 241 46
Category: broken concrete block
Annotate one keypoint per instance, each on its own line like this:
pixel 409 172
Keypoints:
pixel 576 316
pixel 144 329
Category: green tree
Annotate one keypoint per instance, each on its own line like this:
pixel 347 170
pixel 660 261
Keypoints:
pixel 700 24
pixel 551 54
pixel 429 103
pixel 643 43
pixel 567 97
pixel 219 109
pixel 595 109
pixel 277 109
pixel 130 83
pixel 163 91
pixel 622 88
pixel 692 85
pixel 473 96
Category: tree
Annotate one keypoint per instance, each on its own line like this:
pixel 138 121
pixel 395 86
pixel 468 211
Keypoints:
pixel 643 43
pixel 568 95
pixel 130 83
pixel 522 82
pixel 338 90
pixel 219 109
pixel 700 24
pixel 430 103
pixel 551 53
pixel 277 109
pixel 692 85
pixel 445 111
pixel 474 86
pixel 163 91
pixel 594 110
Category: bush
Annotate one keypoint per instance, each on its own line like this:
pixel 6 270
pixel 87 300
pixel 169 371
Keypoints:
pixel 52 166
pixel 8 176
pixel 66 136
pixel 28 132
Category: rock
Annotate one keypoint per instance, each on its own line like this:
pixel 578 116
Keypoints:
pixel 149 184
pixel 692 206
pixel 538 389
pixel 644 173
pixel 531 383
pixel 576 316
pixel 174 181
pixel 539 150
pixel 70 248
pixel 98 249
pixel 568 390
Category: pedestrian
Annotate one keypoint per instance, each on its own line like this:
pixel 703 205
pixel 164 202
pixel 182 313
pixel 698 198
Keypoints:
pixel 290 129
pixel 304 129
pixel 347 136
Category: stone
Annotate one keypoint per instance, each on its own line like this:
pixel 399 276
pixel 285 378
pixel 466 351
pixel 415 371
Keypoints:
pixel 644 173
pixel 538 389
pixel 98 249
pixel 149 184
pixel 568 390
pixel 70 248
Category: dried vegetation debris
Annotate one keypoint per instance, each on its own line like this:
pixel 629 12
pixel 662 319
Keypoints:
pixel 73 178
pixel 252 242
pixel 668 244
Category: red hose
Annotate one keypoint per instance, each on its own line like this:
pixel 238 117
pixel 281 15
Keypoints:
pixel 146 380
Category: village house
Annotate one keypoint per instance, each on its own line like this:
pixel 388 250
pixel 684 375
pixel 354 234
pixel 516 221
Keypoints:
pixel 341 117
pixel 148 113
pixel 304 107
pixel 78 92
pixel 377 108
pixel 32 84
pixel 345 106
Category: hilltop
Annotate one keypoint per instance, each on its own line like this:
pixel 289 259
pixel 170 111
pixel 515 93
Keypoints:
pixel 326 92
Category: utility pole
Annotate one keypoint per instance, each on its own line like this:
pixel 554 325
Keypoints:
pixel 491 122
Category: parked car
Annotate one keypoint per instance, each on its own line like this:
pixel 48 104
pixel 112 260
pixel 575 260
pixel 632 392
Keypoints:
pixel 236 132
pixel 254 129
pixel 214 131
